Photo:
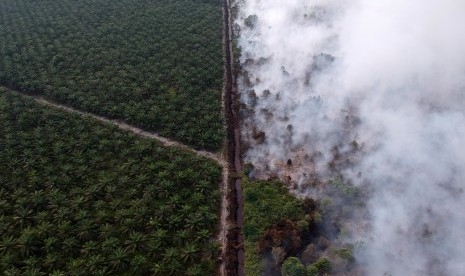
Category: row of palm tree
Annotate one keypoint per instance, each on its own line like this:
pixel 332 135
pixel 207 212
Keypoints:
pixel 78 197
pixel 147 62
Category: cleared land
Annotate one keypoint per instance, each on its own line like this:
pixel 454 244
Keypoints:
pixel 85 198
pixel 155 64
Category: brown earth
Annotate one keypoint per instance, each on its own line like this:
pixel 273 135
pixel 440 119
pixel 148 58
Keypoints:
pixel 233 250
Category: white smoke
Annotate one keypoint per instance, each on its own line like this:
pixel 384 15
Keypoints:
pixel 398 68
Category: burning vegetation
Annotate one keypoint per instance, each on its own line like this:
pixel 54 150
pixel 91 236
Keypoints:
pixel 346 105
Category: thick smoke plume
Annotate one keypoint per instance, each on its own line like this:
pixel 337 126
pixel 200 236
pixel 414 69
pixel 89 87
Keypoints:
pixel 374 90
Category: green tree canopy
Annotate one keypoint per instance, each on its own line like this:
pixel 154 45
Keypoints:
pixel 293 267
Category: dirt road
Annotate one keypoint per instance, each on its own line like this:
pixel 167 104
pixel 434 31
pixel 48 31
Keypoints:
pixel 233 251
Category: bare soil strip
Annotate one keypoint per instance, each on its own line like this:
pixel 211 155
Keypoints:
pixel 233 252
pixel 122 125
pixel 224 224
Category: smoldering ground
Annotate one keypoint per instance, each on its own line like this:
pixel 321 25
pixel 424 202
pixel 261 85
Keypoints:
pixel 387 77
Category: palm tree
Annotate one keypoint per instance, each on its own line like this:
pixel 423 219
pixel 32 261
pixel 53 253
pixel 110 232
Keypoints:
pixel 129 224
pixel 64 229
pixel 44 228
pixel 27 243
pixel 57 273
pixel 4 222
pixel 22 216
pixel 62 214
pixel 110 244
pixel 197 198
pixel 95 191
pixel 94 263
pixel 51 260
pixel 174 222
pixel 77 201
pixel 8 260
pixel 106 230
pixel 76 266
pixel 174 267
pixel 56 197
pixel 136 242
pixel 175 200
pixel 195 270
pixel 31 263
pixel 182 236
pixel 89 248
pixel 203 235
pixel 81 215
pixel 171 253
pixel 158 268
pixel 33 272
pixel 12 272
pixel 70 246
pixel 195 221
pixel 119 260
pixel 154 248
pixel 50 244
pixel 7 244
pixel 189 252
pixel 102 216
pixel 138 264
pixel 85 230
pixel 140 211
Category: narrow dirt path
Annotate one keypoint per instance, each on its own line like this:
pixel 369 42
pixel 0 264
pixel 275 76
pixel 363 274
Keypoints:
pixel 233 249
pixel 225 204
pixel 224 223
pixel 124 126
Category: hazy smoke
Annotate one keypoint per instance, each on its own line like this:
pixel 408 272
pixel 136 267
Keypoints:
pixel 388 74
